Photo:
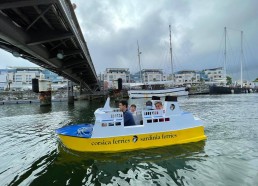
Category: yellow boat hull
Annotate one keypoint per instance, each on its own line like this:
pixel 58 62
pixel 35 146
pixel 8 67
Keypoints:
pixel 134 142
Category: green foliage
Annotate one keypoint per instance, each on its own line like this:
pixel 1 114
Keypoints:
pixel 229 80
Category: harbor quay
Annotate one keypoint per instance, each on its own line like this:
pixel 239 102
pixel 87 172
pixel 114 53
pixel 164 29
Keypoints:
pixel 29 97
pixel 23 97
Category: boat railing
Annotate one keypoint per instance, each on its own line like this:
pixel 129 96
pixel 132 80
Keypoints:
pixel 109 119
pixel 152 113
pixel 110 116
pixel 116 110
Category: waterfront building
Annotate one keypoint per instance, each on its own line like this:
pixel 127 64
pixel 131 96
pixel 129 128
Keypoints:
pixel 215 75
pixel 187 77
pixel 20 78
pixel 111 75
pixel 150 75
pixel 3 79
pixel 246 84
pixel 57 81
pixel 165 77
pixel 135 78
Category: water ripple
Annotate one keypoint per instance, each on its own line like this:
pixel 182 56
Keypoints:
pixel 31 154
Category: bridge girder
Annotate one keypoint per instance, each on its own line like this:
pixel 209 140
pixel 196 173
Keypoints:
pixel 39 30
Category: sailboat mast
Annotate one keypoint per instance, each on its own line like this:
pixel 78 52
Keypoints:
pixel 241 59
pixel 139 58
pixel 172 69
pixel 225 55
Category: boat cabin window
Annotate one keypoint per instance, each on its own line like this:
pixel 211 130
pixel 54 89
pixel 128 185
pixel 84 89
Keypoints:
pixel 161 120
pixel 118 123
pixel 111 124
pixel 158 120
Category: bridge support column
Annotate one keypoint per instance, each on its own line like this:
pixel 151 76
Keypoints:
pixel 70 92
pixel 44 89
pixel 80 88
pixel 45 98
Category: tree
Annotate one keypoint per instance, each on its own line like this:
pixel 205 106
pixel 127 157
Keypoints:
pixel 229 80
pixel 256 80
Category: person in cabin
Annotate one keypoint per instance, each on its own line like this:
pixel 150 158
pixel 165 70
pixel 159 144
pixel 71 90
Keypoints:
pixel 133 109
pixel 128 117
pixel 158 105
pixel 149 105
pixel 136 116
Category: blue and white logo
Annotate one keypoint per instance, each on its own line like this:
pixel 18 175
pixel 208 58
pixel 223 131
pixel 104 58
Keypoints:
pixel 135 138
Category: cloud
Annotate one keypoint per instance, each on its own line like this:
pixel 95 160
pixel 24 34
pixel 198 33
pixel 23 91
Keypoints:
pixel 7 59
pixel 112 27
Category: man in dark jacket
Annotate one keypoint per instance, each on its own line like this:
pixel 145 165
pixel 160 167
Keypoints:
pixel 128 117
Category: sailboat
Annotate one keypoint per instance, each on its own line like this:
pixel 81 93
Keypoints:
pixel 223 89
pixel 157 88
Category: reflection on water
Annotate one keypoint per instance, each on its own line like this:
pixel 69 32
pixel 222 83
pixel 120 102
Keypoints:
pixel 31 154
pixel 45 109
pixel 154 154
pixel 134 167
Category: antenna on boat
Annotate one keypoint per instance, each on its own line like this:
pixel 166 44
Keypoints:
pixel 139 58
pixel 225 55
pixel 172 69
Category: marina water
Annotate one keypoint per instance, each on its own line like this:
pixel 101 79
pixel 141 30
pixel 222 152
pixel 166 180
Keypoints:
pixel 31 154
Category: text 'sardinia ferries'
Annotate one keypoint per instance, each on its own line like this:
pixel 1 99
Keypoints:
pixel 157 128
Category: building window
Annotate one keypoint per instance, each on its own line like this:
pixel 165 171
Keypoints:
pixel 110 77
pixel 28 78
pixel 18 78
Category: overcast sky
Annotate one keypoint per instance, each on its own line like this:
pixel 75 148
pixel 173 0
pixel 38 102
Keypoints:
pixel 112 27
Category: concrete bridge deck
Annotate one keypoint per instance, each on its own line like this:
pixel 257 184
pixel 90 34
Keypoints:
pixel 47 33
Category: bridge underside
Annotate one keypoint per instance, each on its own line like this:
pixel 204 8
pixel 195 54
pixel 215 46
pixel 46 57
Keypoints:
pixel 47 33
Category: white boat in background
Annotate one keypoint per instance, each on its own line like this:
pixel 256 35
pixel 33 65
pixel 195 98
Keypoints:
pixel 148 91
pixel 180 91
pixel 160 89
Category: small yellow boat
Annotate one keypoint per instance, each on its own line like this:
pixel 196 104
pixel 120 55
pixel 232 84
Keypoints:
pixel 157 128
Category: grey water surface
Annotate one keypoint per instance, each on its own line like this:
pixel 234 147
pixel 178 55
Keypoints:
pixel 31 154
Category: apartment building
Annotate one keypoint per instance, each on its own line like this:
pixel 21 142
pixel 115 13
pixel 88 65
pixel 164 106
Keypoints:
pixel 20 78
pixel 149 75
pixel 113 74
pixel 186 77
pixel 215 75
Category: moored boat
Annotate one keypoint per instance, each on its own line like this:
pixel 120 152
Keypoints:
pixel 157 128
pixel 143 93
pixel 215 89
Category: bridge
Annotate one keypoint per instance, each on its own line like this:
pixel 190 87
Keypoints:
pixel 47 33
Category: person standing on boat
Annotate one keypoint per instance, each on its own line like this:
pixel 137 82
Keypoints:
pixel 128 117
pixel 159 105
pixel 133 109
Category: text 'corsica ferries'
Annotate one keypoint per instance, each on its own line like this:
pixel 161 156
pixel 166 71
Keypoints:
pixel 157 128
